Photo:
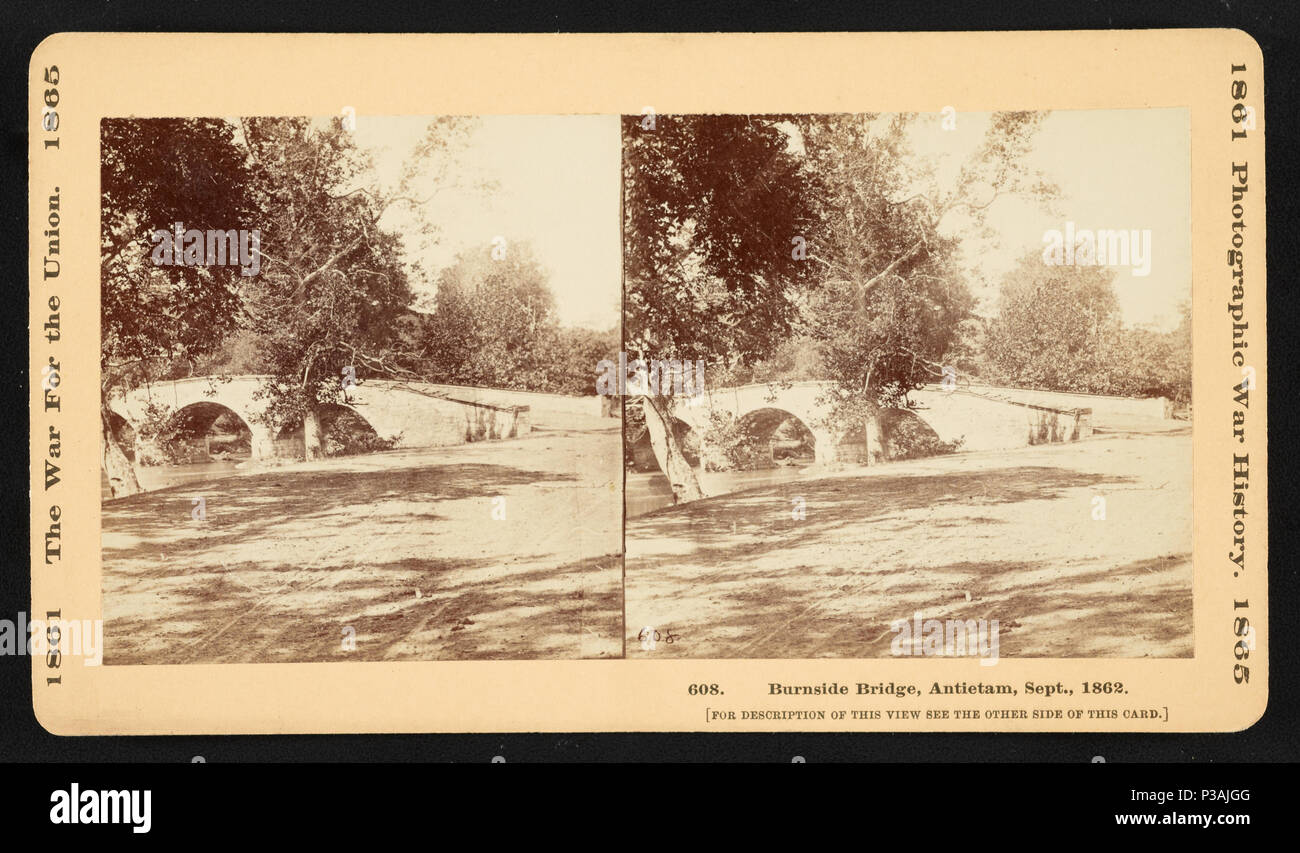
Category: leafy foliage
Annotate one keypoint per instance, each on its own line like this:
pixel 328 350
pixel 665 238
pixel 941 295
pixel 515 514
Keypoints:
pixel 1059 328
pixel 495 325
pixel 155 173
pixel 158 320
pixel 908 437
pixel 732 445
pixel 332 284
pixel 890 306
pixel 346 434
pixel 711 204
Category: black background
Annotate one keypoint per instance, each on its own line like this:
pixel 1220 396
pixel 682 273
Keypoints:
pixel 1274 26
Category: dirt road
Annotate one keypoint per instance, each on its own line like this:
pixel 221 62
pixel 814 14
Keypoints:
pixel 1008 536
pixel 404 552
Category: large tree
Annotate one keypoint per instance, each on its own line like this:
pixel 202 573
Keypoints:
pixel 1060 328
pixel 494 324
pixel 571 358
pixel 156 320
pixel 334 287
pixel 891 300
pixel 712 206
pixel 1055 327
pixel 494 310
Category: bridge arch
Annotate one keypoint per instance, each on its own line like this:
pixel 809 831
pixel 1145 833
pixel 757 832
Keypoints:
pixel 204 419
pixel 937 419
pixel 344 430
pixel 690 439
pixel 411 413
pixel 772 430
pixel 125 433
pixel 641 454
pixel 904 433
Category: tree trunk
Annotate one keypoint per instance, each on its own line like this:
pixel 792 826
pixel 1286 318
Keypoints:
pixel 871 433
pixel 659 423
pixel 311 435
pixel 874 451
pixel 119 470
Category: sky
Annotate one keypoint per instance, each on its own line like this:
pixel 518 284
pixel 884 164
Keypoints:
pixel 555 186
pixel 1116 169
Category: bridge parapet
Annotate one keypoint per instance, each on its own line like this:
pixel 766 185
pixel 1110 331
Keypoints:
pixel 539 403
pixel 415 414
pixel 1105 408
pixel 979 418
pixel 982 422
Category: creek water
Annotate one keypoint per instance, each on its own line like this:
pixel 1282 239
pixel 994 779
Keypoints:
pixel 154 477
pixel 648 492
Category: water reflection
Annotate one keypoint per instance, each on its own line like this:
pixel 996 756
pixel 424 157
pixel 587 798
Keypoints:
pixel 648 492
pixel 154 477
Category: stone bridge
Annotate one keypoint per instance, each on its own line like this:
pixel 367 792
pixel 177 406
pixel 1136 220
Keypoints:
pixel 978 417
pixel 414 414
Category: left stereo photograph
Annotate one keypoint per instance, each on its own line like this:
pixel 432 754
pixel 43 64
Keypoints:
pixel 346 399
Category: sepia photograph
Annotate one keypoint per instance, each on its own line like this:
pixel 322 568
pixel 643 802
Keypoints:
pixel 347 388
pixel 647 384
pixel 784 384
pixel 908 385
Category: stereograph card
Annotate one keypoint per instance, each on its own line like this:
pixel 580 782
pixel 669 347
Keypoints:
pixel 731 382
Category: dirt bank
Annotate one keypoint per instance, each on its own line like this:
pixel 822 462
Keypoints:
pixel 1007 536
pixel 399 550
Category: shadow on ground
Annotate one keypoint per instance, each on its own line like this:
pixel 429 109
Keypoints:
pixel 765 513
pixel 569 612
pixel 246 508
pixel 350 563
pixel 740 576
